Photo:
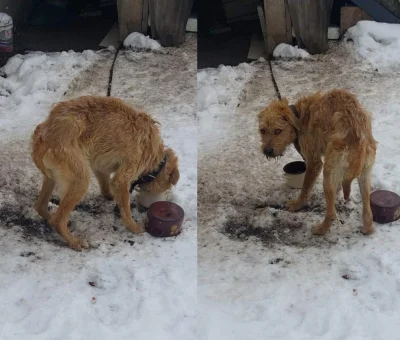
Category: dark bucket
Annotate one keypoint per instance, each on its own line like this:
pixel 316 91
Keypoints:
pixel 385 206
pixel 164 219
pixel 6 33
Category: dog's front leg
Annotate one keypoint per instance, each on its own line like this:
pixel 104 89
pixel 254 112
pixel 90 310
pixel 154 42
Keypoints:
pixel 120 188
pixel 104 182
pixel 313 170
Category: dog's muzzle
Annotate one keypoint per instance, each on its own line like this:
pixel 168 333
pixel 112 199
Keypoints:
pixel 269 152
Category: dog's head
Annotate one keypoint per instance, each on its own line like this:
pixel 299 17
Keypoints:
pixel 277 127
pixel 168 176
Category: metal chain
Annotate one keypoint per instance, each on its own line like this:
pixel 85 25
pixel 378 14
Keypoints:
pixel 274 81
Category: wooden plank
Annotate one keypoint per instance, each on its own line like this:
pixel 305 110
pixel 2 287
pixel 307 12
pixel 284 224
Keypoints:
pixel 310 20
pixel 278 24
pixel 349 16
pixel 130 14
pixel 169 19
pixel 153 18
pixel 288 23
pixel 393 6
pixel 377 11
pixel 261 17
pixel 145 16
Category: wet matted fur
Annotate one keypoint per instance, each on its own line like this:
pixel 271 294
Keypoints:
pixel 335 126
pixel 108 136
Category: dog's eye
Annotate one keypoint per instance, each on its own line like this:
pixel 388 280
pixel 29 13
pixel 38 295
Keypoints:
pixel 262 131
pixel 278 131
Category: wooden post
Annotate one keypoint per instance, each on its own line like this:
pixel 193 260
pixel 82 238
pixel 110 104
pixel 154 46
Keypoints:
pixel 145 16
pixel 310 20
pixel 278 23
pixel 130 15
pixel 169 19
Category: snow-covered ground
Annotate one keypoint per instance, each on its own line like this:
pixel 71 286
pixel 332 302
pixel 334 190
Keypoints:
pixel 287 51
pixel 130 286
pixel 138 40
pixel 262 274
pixel 379 43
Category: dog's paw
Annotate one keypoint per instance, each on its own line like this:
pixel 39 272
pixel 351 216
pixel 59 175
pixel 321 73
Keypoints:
pixel 85 244
pixel 368 230
pixel 141 229
pixel 44 213
pixel 77 244
pixel 135 228
pixel 294 205
pixel 320 229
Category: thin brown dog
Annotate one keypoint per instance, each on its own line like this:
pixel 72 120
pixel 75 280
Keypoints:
pixel 109 137
pixel 335 126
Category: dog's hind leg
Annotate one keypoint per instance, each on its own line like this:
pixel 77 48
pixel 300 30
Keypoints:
pixel 74 192
pixel 42 203
pixel 333 174
pixel 72 174
pixel 364 182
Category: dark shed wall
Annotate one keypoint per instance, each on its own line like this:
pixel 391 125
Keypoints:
pixel 19 10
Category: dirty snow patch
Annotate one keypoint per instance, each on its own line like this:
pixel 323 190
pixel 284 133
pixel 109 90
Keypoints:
pixel 117 289
pixel 378 43
pixel 287 51
pixel 138 40
pixel 250 285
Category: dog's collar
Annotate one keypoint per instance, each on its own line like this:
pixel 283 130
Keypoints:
pixel 296 141
pixel 150 177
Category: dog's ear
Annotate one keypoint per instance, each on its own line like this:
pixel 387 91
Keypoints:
pixel 174 176
pixel 289 116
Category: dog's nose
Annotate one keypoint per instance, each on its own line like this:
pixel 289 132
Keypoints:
pixel 268 151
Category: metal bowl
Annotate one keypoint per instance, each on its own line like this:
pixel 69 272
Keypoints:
pixel 295 168
pixel 385 206
pixel 164 219
pixel 294 174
